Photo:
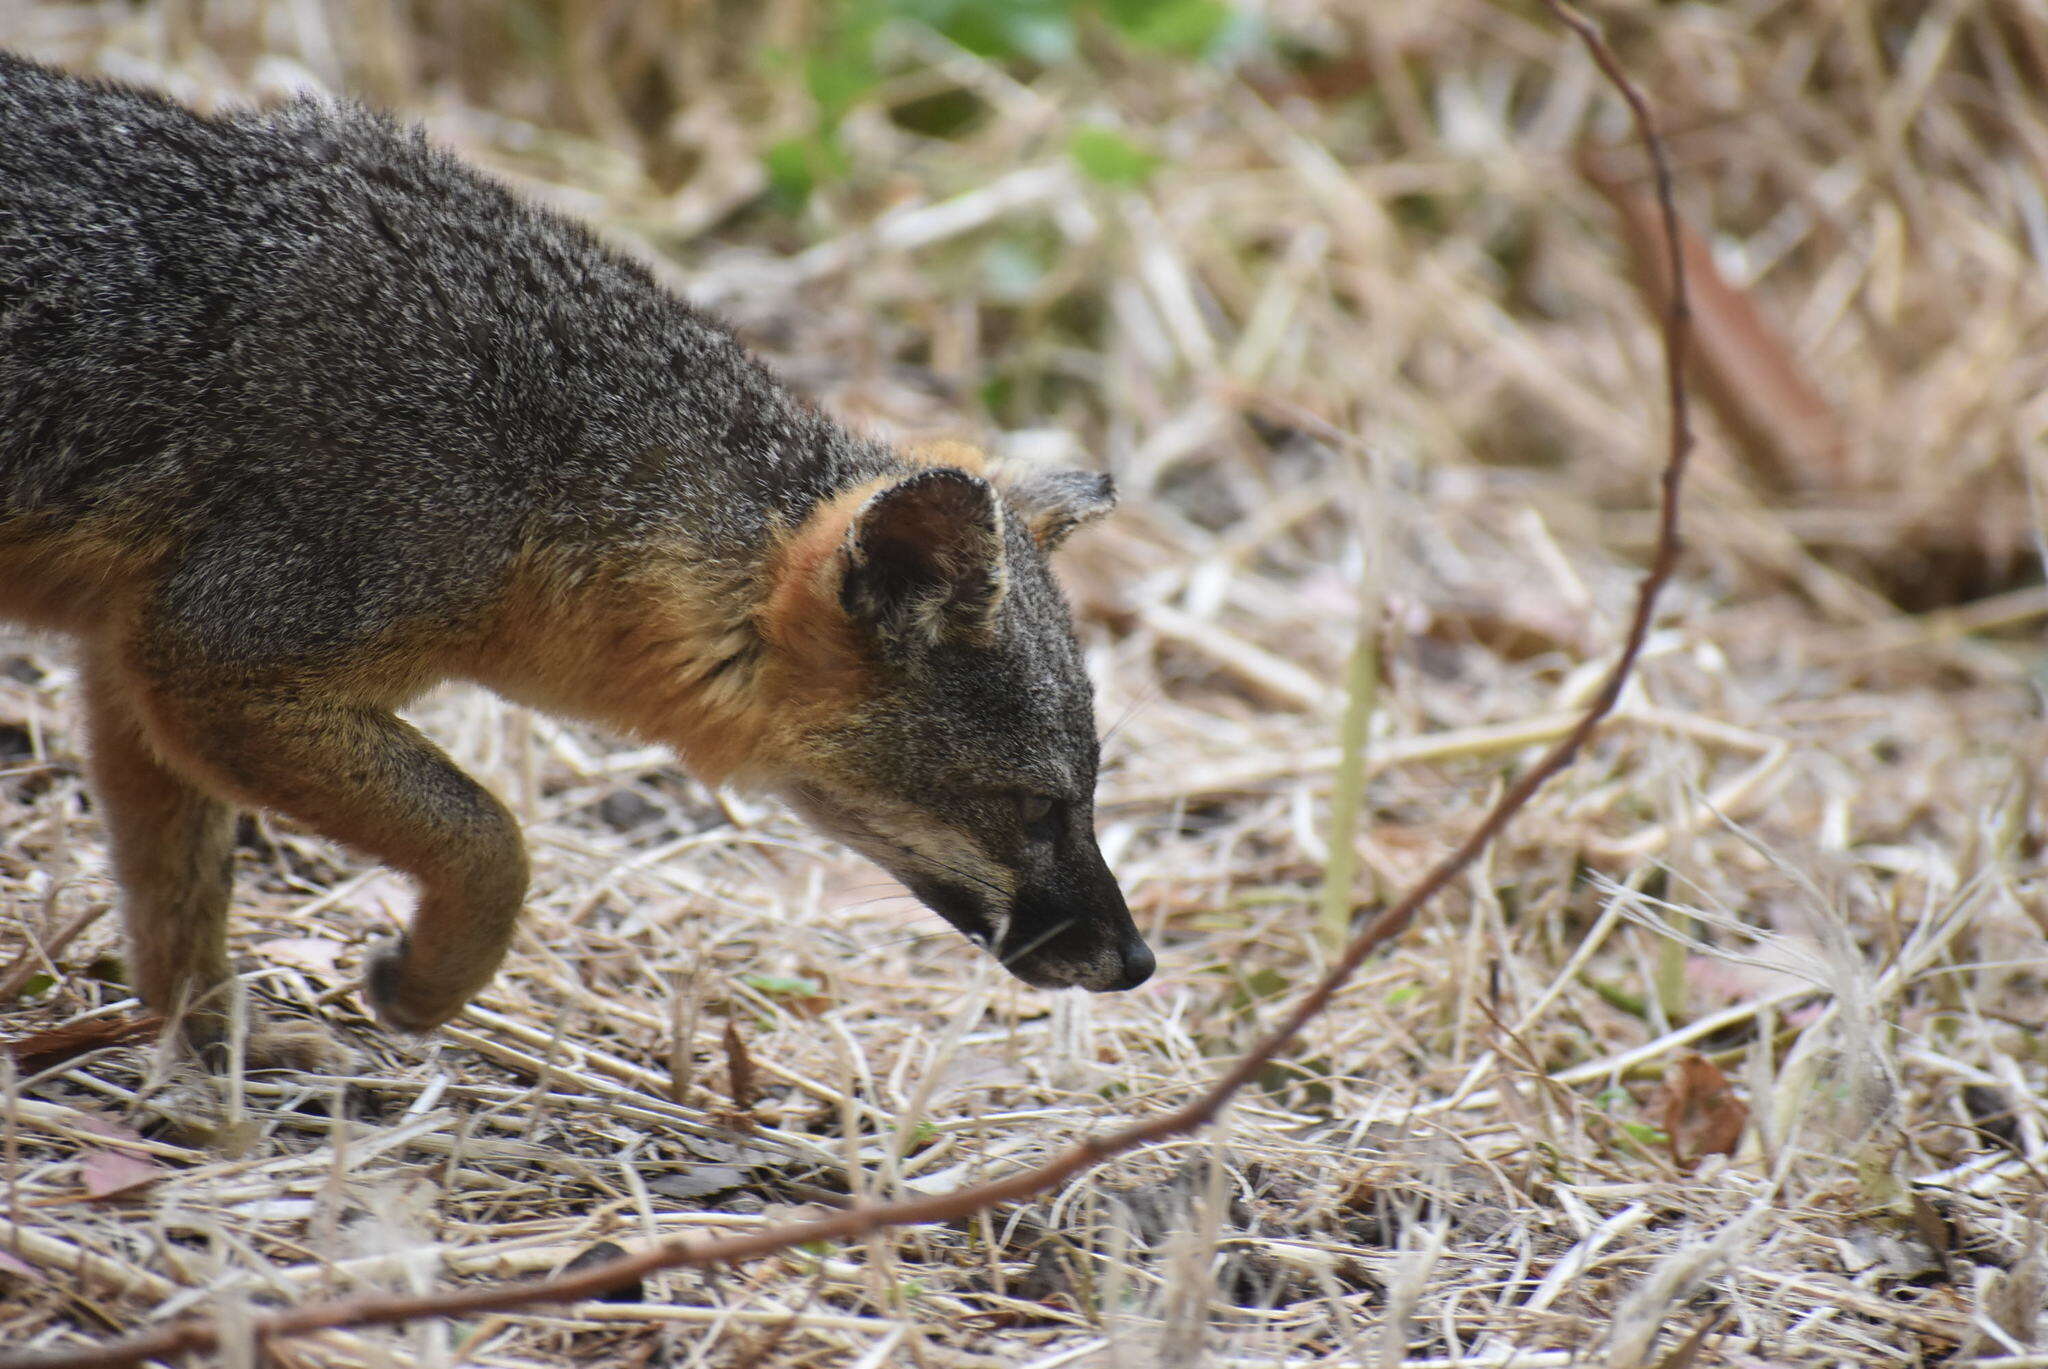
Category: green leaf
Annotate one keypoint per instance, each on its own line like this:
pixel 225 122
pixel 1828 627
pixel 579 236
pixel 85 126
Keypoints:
pixel 942 114
pixel 1002 30
pixel 790 177
pixel 1039 31
pixel 797 166
pixel 838 77
pixel 1616 997
pixel 997 393
pixel 1107 156
pixel 1302 1084
pixel 38 984
pixel 1643 1134
pixel 1187 27
pixel 794 986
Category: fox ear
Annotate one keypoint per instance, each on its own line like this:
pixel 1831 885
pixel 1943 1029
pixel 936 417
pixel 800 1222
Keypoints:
pixel 923 559
pixel 1056 501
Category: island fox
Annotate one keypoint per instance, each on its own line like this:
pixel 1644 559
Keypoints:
pixel 299 416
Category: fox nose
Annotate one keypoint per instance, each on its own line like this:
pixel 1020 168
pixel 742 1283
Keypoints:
pixel 1138 964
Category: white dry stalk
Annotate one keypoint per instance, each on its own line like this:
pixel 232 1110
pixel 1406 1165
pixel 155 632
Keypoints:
pixel 1422 1247
pixel 1647 1311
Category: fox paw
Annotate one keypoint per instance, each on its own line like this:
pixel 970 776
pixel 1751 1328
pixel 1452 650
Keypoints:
pixel 383 973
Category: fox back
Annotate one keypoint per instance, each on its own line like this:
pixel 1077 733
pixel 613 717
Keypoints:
pixel 300 416
pixel 240 319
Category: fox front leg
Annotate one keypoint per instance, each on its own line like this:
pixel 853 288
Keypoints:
pixel 355 773
pixel 173 852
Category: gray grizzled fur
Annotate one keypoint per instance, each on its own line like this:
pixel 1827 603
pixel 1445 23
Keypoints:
pixel 292 405
pixel 267 319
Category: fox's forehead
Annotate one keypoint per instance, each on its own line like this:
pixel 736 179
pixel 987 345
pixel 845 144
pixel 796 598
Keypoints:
pixel 1016 718
pixel 1015 713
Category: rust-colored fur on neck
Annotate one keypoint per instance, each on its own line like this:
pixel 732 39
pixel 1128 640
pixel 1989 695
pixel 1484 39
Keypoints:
pixel 657 649
pixel 814 660
pixel 729 667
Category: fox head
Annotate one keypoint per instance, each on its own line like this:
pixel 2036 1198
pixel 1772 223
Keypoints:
pixel 962 753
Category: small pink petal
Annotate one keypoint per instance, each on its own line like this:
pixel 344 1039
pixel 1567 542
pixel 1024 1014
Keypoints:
pixel 109 1173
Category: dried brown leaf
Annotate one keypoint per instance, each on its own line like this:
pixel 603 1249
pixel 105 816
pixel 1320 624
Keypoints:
pixel 41 1050
pixel 739 1070
pixel 1787 430
pixel 1700 1111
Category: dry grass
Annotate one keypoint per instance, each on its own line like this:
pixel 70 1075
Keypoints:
pixel 1364 326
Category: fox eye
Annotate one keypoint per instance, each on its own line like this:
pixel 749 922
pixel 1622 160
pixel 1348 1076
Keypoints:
pixel 1041 816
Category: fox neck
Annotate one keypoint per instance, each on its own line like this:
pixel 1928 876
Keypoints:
pixel 732 661
pixel 669 647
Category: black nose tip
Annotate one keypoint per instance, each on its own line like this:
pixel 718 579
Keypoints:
pixel 1138 964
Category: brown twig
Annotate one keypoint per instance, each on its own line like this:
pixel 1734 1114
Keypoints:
pixel 862 1220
